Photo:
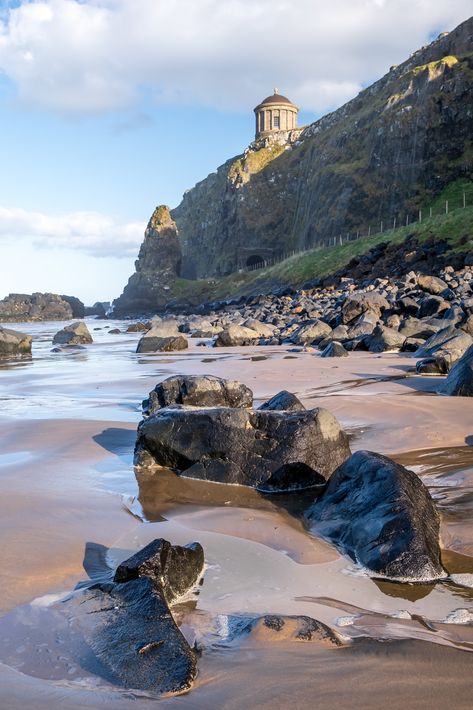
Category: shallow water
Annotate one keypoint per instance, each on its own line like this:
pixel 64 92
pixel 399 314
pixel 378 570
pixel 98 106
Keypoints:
pixel 67 429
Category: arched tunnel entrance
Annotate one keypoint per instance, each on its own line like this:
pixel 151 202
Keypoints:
pixel 255 261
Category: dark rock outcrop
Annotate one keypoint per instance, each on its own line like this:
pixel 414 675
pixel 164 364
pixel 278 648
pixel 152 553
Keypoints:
pixel 20 307
pixel 74 334
pixel 197 391
pixel 240 446
pixel 382 516
pixel 157 267
pixel 12 342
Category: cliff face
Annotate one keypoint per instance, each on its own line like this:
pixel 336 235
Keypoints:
pixel 158 264
pixel 383 155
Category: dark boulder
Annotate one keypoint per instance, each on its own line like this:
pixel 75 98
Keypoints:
pixel 138 327
pixel 459 382
pixel 240 446
pixel 283 401
pixel 12 342
pixel 382 516
pixel 172 569
pixel 135 638
pixel 334 349
pixel 198 391
pixel 431 366
pixel 448 345
pixel 311 333
pixel 152 344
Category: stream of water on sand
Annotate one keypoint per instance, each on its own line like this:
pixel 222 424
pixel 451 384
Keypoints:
pixel 67 429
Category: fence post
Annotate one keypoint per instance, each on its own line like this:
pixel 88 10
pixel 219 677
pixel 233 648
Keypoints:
pixel 369 231
pixel 430 212
pixel 446 206
pixel 420 216
pixel 407 220
pixel 394 224
pixel 464 199
pixel 381 230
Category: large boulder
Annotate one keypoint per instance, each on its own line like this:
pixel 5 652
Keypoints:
pixel 431 284
pixel 198 391
pixel 74 334
pixel 235 335
pixel 148 344
pixel 382 516
pixel 263 329
pixel 459 382
pixel 12 342
pixel 358 303
pixel 283 401
pixel 385 339
pixel 447 346
pixel 240 446
pixel 311 333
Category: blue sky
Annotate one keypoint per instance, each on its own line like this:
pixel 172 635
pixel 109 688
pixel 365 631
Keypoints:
pixel 110 107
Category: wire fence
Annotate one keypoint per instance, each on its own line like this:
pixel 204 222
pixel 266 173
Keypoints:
pixel 460 200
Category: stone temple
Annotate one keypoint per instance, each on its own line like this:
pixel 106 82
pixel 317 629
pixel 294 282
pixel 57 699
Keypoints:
pixel 275 115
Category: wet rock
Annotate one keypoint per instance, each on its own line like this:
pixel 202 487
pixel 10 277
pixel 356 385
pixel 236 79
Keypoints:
pixel 135 637
pixel 236 335
pixel 431 284
pixel 459 382
pixel 382 516
pixel 173 569
pixel 153 344
pixel 291 477
pixel 334 349
pixel 385 339
pixel 115 331
pixel 13 342
pixel 240 446
pixel 74 334
pixel 198 391
pixel 283 401
pixel 275 627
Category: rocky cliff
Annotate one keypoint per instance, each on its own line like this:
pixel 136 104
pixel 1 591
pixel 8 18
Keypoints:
pixel 158 264
pixel 380 157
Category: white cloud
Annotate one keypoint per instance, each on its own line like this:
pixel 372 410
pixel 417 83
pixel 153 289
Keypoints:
pixel 89 232
pixel 98 55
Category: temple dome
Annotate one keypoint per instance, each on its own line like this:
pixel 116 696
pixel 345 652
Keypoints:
pixel 274 115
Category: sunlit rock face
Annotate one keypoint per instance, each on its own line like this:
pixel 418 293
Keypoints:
pixel 345 173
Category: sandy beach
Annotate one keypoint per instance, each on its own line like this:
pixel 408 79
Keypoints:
pixel 68 424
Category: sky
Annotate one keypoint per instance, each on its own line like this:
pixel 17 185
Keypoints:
pixel 111 107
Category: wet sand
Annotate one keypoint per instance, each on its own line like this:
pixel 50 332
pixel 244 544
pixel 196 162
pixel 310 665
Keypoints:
pixel 67 426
